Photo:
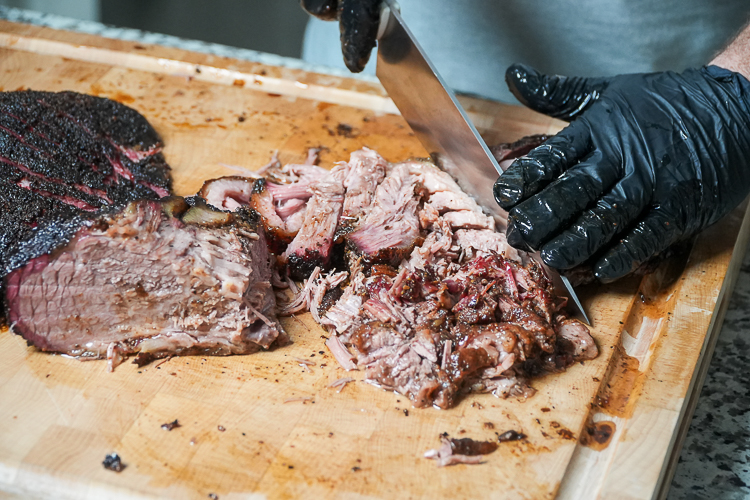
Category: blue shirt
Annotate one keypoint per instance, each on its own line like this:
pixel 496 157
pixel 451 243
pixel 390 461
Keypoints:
pixel 472 42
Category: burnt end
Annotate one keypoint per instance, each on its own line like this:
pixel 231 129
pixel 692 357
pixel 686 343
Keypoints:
pixel 329 299
pixel 113 462
pixel 391 256
pixel 203 214
pixel 249 216
pixel 300 267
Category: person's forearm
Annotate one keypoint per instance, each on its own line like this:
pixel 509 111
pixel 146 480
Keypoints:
pixel 736 57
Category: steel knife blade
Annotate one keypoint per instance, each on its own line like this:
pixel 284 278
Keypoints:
pixel 439 121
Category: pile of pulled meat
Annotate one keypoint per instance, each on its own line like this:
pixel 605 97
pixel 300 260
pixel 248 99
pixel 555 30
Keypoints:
pixel 409 277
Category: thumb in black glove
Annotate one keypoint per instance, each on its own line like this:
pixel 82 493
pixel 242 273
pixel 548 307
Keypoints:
pixel 648 160
pixel 358 23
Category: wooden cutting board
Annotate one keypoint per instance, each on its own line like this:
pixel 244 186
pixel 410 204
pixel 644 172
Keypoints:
pixel 263 426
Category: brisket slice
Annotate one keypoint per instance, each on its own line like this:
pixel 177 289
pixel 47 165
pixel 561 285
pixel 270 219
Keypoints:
pixel 391 227
pixel 231 193
pixel 313 245
pixel 66 156
pixel 150 280
pixel 278 193
pixel 366 171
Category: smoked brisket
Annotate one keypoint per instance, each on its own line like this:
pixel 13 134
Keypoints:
pixel 97 261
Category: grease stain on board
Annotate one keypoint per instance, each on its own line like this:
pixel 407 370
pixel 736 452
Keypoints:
pixel 598 435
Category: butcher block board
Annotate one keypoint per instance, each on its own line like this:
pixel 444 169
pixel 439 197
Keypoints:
pixel 264 426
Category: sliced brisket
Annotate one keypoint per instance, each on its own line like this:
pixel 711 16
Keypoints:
pixel 366 170
pixel 280 195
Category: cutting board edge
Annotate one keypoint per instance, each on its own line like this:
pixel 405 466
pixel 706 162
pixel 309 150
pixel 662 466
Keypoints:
pixel 699 375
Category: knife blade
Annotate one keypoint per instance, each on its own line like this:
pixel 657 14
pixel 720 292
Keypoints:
pixel 440 123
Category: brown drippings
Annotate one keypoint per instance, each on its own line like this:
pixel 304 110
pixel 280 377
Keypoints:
pixel 471 447
pixel 122 97
pixel 511 436
pixel 565 433
pixel 346 130
pixel 597 436
pixel 624 382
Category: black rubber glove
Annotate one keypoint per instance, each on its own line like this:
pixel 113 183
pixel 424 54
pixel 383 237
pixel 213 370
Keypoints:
pixel 648 160
pixel 358 23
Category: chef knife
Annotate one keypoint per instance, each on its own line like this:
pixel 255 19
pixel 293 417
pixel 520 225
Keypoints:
pixel 440 122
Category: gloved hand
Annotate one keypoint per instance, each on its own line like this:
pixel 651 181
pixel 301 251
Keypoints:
pixel 648 160
pixel 358 23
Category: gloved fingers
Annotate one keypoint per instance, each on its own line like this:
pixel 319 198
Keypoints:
pixel 327 10
pixel 651 236
pixel 545 215
pixel 613 213
pixel 358 22
pixel 556 96
pixel 542 165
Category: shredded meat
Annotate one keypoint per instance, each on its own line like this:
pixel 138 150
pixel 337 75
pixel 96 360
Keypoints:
pixel 415 286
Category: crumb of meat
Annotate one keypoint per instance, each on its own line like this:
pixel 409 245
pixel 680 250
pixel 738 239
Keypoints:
pixel 113 462
pixel 171 425
pixel 460 451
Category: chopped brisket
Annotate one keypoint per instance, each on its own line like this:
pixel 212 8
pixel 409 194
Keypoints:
pixel 151 281
pixel 280 196
pixel 435 303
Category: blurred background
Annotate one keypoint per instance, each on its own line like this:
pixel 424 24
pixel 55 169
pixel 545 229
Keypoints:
pixel 274 26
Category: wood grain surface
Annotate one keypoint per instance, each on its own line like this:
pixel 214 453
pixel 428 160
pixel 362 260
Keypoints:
pixel 264 426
